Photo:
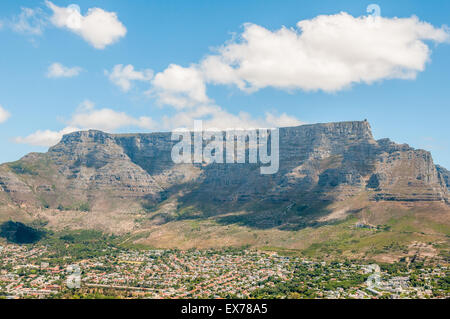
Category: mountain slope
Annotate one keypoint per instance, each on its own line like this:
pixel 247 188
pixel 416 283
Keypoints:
pixel 128 183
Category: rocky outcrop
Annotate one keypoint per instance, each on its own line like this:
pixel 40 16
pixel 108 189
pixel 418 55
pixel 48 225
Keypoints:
pixel 94 162
pixel 406 174
pixel 444 175
pixel 319 164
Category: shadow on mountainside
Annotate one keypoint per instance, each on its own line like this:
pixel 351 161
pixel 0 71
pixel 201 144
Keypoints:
pixel 232 201
pixel 291 199
pixel 19 233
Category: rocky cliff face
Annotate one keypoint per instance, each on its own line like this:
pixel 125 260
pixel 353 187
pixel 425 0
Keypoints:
pixel 319 164
pixel 444 175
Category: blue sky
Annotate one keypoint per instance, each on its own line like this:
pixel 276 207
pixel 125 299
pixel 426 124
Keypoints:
pixel 415 110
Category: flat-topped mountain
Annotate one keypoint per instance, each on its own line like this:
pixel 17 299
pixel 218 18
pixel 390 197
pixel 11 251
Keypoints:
pixel 127 181
pixel 321 161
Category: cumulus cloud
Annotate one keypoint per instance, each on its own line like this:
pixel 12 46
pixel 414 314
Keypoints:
pixel 329 53
pixel 4 115
pixel 185 90
pixel 123 76
pixel 214 116
pixel 57 70
pixel 29 21
pixel 45 137
pixel 98 27
pixel 180 87
pixel 87 117
pixel 108 120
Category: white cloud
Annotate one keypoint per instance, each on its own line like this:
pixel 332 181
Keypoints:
pixel 57 70
pixel 180 87
pixel 87 117
pixel 45 138
pixel 98 27
pixel 122 76
pixel 218 72
pixel 4 115
pixel 85 106
pixel 29 21
pixel 185 90
pixel 283 120
pixel 215 117
pixel 108 120
pixel 329 53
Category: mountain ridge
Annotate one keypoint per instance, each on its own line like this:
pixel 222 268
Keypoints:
pixel 125 182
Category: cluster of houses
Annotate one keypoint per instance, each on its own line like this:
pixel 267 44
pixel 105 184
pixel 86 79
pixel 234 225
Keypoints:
pixel 187 274
pixel 20 278
pixel 29 272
